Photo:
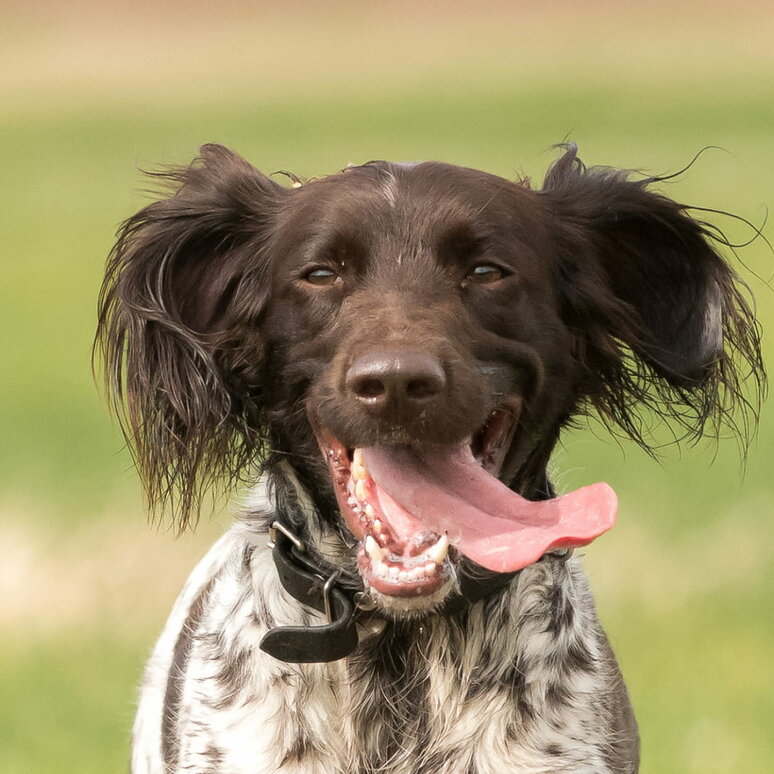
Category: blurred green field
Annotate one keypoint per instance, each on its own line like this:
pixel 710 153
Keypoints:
pixel 684 584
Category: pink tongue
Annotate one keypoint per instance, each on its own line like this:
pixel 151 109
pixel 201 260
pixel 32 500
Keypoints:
pixel 496 528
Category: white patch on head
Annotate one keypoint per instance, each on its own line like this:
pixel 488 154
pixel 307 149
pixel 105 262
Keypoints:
pixel 390 188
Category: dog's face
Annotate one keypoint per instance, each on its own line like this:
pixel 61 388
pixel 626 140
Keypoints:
pixel 416 300
pixel 415 309
pixel 413 337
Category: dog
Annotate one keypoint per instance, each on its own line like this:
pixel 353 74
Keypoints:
pixel 387 357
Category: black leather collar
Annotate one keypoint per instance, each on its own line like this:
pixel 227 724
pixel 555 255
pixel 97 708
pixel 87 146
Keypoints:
pixel 318 584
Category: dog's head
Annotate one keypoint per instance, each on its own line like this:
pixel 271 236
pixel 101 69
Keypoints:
pixel 412 338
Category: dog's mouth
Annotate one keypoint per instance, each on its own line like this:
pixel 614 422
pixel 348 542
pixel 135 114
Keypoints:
pixel 416 509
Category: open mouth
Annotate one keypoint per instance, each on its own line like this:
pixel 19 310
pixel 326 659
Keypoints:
pixel 416 509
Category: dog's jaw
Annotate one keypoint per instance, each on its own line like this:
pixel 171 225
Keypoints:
pixel 393 569
pixel 405 576
pixel 417 509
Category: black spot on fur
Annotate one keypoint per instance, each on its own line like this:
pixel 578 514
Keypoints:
pixel 397 709
pixel 514 683
pixel 214 757
pixel 281 679
pixel 298 749
pixel 560 611
pixel 177 671
pixel 262 616
pixel 231 677
pixel 578 659
pixel 557 695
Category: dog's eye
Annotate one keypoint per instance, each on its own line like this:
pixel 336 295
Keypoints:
pixel 484 273
pixel 322 276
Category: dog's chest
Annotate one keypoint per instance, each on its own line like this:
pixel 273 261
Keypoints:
pixel 325 730
pixel 513 685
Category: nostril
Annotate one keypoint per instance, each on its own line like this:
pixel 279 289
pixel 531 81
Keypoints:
pixel 422 389
pixel 368 389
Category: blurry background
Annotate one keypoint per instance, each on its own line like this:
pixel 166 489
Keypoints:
pixel 91 92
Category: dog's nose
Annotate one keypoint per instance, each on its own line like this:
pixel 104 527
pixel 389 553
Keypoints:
pixel 395 378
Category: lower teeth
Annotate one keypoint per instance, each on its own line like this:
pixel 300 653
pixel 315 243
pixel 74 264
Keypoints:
pixel 381 569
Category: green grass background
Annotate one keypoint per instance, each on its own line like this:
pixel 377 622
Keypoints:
pixel 92 92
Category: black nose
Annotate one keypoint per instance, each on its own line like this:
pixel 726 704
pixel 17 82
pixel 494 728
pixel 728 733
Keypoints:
pixel 401 379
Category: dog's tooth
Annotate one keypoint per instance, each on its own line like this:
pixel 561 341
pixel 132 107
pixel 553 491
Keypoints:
pixel 360 489
pixel 430 568
pixel 358 469
pixel 403 575
pixel 437 552
pixel 416 573
pixel 379 569
pixel 373 549
pixel 370 512
pixel 393 572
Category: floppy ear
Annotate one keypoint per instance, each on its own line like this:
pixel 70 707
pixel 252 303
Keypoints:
pixel 178 319
pixel 636 269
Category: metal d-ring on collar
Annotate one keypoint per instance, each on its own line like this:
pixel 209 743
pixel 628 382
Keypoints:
pixel 276 527
pixel 327 595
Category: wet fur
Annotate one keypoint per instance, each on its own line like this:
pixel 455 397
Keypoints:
pixel 214 346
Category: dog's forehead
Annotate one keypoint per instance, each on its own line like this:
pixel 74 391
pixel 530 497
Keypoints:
pixel 423 191
pixel 417 210
pixel 424 177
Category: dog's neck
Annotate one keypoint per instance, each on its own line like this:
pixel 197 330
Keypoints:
pixel 529 661
pixel 284 506
pixel 524 653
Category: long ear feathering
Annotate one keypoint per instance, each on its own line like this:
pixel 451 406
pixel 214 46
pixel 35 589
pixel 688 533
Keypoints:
pixel 667 325
pixel 177 319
